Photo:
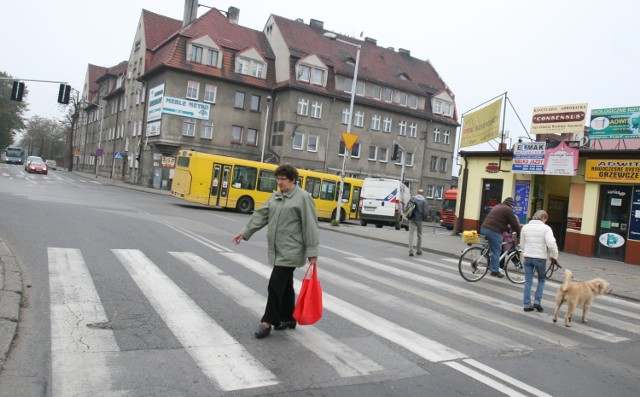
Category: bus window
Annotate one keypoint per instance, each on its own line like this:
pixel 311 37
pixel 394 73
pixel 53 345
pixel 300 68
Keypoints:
pixel 244 177
pixel 313 187
pixel 328 191
pixel 346 192
pixel 267 181
pixel 184 161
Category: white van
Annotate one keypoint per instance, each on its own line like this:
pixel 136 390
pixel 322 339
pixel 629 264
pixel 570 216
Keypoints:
pixel 382 202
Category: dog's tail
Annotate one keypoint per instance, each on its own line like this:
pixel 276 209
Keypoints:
pixel 568 276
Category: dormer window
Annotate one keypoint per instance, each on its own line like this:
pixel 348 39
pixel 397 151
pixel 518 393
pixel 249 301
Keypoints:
pixel 251 64
pixel 205 51
pixel 196 54
pixel 304 73
pixel 212 57
pixel 311 70
pixel 443 107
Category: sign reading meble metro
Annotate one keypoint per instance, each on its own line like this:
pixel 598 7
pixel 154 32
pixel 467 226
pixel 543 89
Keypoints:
pixel 559 119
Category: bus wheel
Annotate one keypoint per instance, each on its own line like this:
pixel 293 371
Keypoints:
pixel 343 216
pixel 245 205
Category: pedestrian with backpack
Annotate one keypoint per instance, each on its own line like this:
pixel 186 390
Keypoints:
pixel 416 213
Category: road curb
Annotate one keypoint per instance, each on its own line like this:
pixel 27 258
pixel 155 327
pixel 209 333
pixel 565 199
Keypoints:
pixel 10 297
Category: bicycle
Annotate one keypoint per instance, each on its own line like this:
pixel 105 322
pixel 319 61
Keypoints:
pixel 474 261
pixel 553 266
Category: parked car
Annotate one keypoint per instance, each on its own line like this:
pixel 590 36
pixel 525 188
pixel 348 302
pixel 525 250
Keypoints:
pixel 51 164
pixel 36 165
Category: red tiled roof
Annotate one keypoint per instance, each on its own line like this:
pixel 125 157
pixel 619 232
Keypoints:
pixel 231 38
pixel 158 28
pixel 377 64
pixel 95 72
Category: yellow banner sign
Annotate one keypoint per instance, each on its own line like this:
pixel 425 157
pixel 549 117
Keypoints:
pixel 619 171
pixel 482 125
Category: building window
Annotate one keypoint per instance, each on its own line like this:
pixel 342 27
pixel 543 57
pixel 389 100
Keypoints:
pixel 388 94
pixel 402 98
pixel 438 106
pixel 345 116
pixel 447 137
pixel 212 57
pixel 400 158
pixel 413 130
pixel 377 92
pixel 243 66
pixel 277 140
pixel 413 101
pixel 408 161
pixel 312 143
pixel 303 106
pixel 437 192
pixel 196 54
pixel 341 149
pixel 316 109
pixel 318 76
pixel 252 137
pixel 239 103
pixel 375 122
pixel 386 124
pixel 304 73
pixel 402 128
pixel 436 135
pixel 443 165
pixel 192 90
pixel 348 83
pixel 373 153
pixel 210 92
pixel 236 134
pixel 358 120
pixel 434 163
pixel 255 103
pixel 258 67
pixel 430 190
pixel 298 141
pixel 360 88
pixel 384 154
pixel 448 109
pixel 189 127
pixel 207 130
pixel 355 150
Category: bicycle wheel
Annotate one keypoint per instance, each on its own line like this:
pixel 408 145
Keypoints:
pixel 473 265
pixel 514 268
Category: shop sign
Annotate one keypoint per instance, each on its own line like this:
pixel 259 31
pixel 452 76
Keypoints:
pixel 611 240
pixel 634 223
pixel 618 171
pixel 574 223
pixel 559 119
pixel 615 123
pixel 528 158
pixel 168 162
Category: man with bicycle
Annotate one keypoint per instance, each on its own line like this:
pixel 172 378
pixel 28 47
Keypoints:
pixel 496 223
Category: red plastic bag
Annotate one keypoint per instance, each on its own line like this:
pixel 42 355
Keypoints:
pixel 308 308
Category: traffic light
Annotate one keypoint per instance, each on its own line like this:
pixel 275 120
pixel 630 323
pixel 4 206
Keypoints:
pixel 64 93
pixel 396 149
pixel 17 90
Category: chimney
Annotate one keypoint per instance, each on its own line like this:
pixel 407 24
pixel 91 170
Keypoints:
pixel 370 40
pixel 233 14
pixel 314 23
pixel 190 12
pixel 404 52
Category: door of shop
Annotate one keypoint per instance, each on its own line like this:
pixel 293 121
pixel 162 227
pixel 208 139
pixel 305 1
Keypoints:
pixel 613 216
pixel 491 196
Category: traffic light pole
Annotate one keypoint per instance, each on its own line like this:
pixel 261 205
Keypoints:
pixel 63 94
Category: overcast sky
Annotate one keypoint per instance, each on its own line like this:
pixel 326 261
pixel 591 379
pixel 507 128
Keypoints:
pixel 544 52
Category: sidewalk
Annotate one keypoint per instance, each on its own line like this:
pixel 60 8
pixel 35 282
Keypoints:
pixel 624 278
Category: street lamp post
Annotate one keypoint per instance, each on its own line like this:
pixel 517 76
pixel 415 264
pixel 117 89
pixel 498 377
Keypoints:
pixel 99 140
pixel 264 132
pixel 333 36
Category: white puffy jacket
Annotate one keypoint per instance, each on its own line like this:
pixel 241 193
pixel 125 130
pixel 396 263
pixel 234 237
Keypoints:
pixel 537 241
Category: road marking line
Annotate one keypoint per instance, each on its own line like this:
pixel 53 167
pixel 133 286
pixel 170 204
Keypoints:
pixel 217 354
pixel 346 361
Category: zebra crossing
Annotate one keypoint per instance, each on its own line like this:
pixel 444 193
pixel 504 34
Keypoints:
pixel 85 352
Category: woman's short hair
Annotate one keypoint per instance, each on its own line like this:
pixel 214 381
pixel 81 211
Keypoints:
pixel 288 171
pixel 540 215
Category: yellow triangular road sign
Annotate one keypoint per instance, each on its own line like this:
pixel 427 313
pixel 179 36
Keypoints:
pixel 349 139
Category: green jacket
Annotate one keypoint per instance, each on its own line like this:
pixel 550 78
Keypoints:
pixel 292 232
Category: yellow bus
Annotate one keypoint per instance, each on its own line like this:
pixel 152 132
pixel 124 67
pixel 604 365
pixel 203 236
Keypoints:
pixel 244 185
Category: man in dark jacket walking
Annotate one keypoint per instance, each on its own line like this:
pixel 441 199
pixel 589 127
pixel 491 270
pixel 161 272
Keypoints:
pixel 417 216
pixel 497 222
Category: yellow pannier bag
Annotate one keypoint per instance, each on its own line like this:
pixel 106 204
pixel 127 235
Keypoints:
pixel 470 236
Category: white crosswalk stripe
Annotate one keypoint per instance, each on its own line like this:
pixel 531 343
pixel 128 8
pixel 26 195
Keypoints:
pixel 206 341
pixel 85 351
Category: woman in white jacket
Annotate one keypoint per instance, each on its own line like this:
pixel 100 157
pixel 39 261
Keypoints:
pixel 538 243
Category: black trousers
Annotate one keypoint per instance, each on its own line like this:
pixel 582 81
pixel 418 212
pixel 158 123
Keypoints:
pixel 282 298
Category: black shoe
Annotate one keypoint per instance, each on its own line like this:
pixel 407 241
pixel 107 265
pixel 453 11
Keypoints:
pixel 538 307
pixel 419 252
pixel 410 253
pixel 497 274
pixel 286 324
pixel 528 309
pixel 262 331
